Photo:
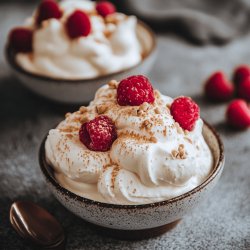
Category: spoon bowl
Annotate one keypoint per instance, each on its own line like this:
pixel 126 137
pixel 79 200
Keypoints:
pixel 36 224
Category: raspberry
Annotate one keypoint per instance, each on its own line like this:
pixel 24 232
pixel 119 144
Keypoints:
pixel 238 114
pixel 98 134
pixel 244 89
pixel 78 24
pixel 135 90
pixel 185 111
pixel 218 88
pixel 240 74
pixel 46 10
pixel 105 8
pixel 20 39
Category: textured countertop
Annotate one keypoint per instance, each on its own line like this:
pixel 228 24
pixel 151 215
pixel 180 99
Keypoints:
pixel 222 221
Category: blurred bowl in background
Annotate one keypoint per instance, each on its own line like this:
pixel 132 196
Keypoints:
pixel 82 91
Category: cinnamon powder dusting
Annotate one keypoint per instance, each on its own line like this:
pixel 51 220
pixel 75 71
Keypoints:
pixel 113 177
pixel 113 84
pixel 180 153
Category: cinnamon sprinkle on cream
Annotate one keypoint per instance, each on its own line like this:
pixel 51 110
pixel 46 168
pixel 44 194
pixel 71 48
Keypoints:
pixel 113 84
pixel 113 177
pixel 157 111
pixel 146 125
pixel 83 109
pixel 180 153
pixel 69 129
pixel 168 106
pixel 157 93
pixel 189 140
pixel 84 119
pixel 101 109
pixel 153 139
pixel 67 115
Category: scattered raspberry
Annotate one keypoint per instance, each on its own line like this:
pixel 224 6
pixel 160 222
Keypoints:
pixel 98 134
pixel 78 24
pixel 218 88
pixel 105 8
pixel 48 9
pixel 135 90
pixel 185 111
pixel 238 114
pixel 20 39
pixel 244 89
pixel 240 74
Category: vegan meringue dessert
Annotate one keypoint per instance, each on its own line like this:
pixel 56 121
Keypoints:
pixel 132 145
pixel 76 39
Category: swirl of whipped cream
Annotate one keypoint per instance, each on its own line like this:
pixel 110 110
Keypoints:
pixel 111 46
pixel 152 159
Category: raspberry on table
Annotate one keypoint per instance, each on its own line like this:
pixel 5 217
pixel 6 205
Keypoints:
pixel 185 111
pixel 135 90
pixel 240 74
pixel 20 39
pixel 48 9
pixel 78 24
pixel 238 114
pixel 105 8
pixel 244 89
pixel 218 88
pixel 98 134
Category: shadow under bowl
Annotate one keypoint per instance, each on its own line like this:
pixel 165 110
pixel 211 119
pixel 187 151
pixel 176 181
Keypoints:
pixel 135 222
pixel 83 90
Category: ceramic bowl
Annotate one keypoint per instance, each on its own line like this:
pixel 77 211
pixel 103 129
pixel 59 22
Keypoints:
pixel 138 221
pixel 82 91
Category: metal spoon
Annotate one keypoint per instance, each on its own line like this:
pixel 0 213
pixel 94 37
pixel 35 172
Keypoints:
pixel 37 225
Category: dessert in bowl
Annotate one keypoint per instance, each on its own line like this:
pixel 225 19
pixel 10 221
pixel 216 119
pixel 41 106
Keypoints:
pixel 133 159
pixel 65 51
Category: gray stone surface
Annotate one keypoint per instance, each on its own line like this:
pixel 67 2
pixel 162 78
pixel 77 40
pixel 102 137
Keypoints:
pixel 221 222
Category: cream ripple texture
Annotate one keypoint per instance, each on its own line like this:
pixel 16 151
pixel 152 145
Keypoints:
pixel 152 159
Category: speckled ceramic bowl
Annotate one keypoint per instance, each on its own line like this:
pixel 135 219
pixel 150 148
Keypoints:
pixel 138 221
pixel 82 91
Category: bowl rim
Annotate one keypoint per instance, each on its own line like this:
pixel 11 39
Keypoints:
pixel 9 54
pixel 71 195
